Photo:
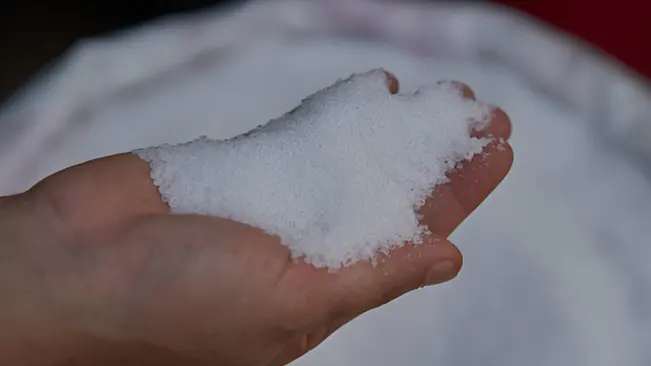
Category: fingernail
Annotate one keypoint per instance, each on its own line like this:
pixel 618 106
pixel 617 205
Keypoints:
pixel 441 272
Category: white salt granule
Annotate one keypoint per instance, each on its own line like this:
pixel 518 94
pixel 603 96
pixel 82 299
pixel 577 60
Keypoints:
pixel 338 179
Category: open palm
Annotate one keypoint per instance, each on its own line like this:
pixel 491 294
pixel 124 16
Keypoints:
pixel 138 285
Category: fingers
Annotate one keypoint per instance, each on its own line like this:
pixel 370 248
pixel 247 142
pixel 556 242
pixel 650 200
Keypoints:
pixel 392 82
pixel 499 126
pixel 473 181
pixel 466 91
pixel 364 286
pixel 469 186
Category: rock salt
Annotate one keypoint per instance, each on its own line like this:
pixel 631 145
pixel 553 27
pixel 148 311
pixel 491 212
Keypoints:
pixel 339 178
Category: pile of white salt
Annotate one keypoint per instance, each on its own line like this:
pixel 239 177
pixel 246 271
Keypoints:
pixel 338 179
pixel 555 261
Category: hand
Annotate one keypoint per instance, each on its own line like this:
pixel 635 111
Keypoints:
pixel 95 270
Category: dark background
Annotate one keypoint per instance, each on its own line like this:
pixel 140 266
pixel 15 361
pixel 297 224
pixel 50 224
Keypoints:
pixel 33 33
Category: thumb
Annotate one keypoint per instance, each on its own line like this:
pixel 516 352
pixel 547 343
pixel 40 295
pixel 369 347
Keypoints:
pixel 365 286
pixel 353 290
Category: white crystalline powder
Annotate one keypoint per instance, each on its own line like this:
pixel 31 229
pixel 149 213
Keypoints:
pixel 521 298
pixel 338 179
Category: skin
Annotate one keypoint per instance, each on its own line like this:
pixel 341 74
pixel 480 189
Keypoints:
pixel 94 270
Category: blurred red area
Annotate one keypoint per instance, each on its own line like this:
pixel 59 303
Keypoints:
pixel 621 28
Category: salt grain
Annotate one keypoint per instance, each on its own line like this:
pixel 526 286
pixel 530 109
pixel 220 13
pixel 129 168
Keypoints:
pixel 340 178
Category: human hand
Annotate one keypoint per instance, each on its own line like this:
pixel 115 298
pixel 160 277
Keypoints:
pixel 97 271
